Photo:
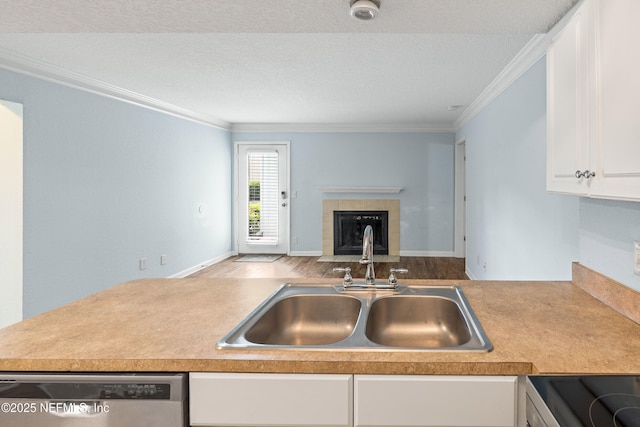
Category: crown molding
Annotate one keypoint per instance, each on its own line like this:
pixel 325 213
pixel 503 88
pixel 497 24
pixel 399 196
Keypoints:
pixel 13 61
pixel 341 127
pixel 525 59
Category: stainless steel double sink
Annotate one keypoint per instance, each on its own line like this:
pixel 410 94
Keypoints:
pixel 328 317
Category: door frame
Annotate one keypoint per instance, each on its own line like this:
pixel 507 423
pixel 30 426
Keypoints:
pixel 12 214
pixel 460 242
pixel 236 191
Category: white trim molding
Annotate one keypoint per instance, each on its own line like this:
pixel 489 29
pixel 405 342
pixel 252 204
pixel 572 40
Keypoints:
pixel 391 190
pixel 460 199
pixel 341 127
pixel 306 253
pixel 529 55
pixel 525 59
pixel 13 61
pixel 447 254
pixel 470 275
pixel 201 266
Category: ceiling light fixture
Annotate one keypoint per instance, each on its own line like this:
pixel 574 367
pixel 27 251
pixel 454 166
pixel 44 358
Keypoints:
pixel 365 10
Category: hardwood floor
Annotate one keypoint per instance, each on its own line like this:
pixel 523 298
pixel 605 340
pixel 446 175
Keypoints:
pixel 293 267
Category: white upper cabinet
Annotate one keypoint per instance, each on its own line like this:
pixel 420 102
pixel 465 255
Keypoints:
pixel 617 150
pixel 568 101
pixel 593 145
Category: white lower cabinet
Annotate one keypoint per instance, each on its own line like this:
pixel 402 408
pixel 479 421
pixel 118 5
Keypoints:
pixel 221 399
pixel 416 400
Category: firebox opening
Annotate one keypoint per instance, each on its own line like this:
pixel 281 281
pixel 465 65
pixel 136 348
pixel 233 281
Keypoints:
pixel 348 231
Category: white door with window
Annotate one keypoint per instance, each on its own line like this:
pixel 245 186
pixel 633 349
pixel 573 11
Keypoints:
pixel 262 197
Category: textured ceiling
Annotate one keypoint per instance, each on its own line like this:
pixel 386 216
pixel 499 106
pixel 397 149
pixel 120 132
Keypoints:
pixel 285 61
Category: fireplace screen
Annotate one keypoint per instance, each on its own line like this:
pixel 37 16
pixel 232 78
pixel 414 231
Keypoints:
pixel 348 231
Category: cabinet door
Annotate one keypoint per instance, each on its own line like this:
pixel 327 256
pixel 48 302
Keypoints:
pixel 412 400
pixel 221 399
pixel 568 104
pixel 617 148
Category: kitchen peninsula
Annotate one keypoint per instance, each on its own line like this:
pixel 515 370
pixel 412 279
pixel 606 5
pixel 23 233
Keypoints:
pixel 172 325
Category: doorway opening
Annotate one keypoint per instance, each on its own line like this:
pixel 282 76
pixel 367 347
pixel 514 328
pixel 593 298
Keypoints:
pixel 460 239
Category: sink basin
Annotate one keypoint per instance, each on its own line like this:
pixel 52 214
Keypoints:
pixel 417 321
pixel 306 320
pixel 327 317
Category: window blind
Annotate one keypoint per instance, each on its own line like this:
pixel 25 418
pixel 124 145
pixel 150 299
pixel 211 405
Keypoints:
pixel 263 198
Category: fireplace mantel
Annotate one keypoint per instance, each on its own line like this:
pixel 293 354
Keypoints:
pixel 380 190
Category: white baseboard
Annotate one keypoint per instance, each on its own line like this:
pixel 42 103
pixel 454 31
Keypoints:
pixel 305 253
pixel 469 275
pixel 202 265
pixel 402 253
pixel 210 262
pixel 427 253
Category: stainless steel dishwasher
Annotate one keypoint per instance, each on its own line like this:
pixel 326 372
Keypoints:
pixel 88 400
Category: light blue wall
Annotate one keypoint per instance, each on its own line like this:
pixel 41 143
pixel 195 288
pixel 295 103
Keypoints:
pixel 421 163
pixel 608 229
pixel 514 226
pixel 520 231
pixel 107 183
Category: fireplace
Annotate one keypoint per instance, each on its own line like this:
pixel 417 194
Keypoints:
pixel 366 206
pixel 348 231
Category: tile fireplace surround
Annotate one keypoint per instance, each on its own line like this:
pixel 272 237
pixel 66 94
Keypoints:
pixel 392 206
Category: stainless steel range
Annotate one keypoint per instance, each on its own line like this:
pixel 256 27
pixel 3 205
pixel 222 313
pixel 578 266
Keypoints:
pixel 583 401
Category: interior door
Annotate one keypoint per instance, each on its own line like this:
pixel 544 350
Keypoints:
pixel 262 198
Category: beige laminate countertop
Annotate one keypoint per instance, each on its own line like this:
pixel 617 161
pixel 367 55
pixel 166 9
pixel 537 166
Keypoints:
pixel 172 325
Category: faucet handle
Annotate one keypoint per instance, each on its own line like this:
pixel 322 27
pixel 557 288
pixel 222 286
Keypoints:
pixel 393 280
pixel 348 279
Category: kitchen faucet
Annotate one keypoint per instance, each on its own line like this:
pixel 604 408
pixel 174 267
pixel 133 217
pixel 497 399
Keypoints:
pixel 370 276
pixel 367 256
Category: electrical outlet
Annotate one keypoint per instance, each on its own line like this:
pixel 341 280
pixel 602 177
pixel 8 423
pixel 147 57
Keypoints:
pixel 143 263
pixel 163 259
pixel 294 240
pixel 636 257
